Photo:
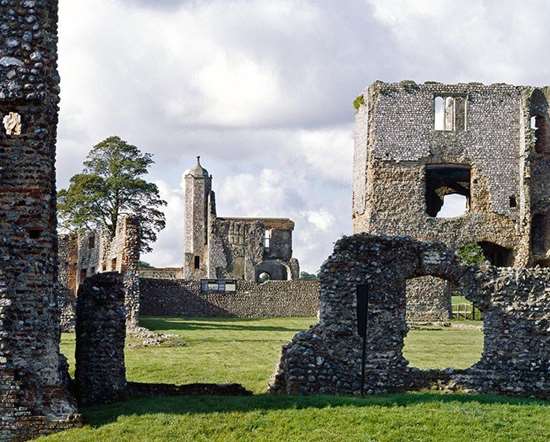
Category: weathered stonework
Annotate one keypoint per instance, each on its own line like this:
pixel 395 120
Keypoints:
pixel 88 253
pixel 327 358
pixel 234 248
pixel 429 299
pixel 251 300
pixel 34 399
pixel 100 374
pixel 496 136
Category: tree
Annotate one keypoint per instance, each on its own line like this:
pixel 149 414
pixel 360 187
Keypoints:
pixel 112 185
pixel 308 276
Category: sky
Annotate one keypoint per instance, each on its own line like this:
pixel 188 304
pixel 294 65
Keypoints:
pixel 262 90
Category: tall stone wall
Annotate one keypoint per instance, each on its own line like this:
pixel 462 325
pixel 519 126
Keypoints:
pixel 33 396
pixel 327 358
pixel 88 253
pixel 100 335
pixel 500 140
pixel 271 299
pixel 498 132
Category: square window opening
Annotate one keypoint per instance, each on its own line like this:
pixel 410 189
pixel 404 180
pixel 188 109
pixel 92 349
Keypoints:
pixel 447 190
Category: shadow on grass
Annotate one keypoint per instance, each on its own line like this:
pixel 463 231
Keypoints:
pixel 179 405
pixel 226 324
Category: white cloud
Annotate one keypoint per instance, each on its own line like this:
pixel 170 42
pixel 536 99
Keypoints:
pixel 263 90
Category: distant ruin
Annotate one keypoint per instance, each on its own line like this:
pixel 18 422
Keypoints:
pixel 253 249
pixel 233 267
pixel 417 144
pixel 34 394
pixel 84 254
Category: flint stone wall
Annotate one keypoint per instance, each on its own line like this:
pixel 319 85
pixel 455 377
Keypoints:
pixel 251 300
pixel 79 261
pixel 396 140
pixel 327 358
pixel 34 399
pixel 428 299
pixel 100 335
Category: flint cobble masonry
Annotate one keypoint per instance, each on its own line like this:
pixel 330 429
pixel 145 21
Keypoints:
pixel 495 137
pixel 100 373
pixel 164 297
pixel 34 398
pixel 327 358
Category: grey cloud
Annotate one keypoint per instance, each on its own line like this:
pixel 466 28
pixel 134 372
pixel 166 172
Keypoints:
pixel 142 86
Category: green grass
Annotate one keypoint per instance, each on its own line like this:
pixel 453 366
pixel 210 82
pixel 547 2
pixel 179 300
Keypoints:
pixel 459 346
pixel 247 352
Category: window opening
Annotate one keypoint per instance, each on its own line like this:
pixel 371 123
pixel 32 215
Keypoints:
pixel 197 262
pixel 513 202
pixel 497 255
pixel 113 265
pixel 450 113
pixel 445 343
pixel 451 181
pixel 267 239
pixel 91 241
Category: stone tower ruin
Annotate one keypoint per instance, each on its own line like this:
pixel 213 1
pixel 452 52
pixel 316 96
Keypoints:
pixel 251 249
pixel 416 144
pixel 198 193
pixel 33 395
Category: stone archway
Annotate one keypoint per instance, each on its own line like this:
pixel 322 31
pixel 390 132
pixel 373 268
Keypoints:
pixel 327 358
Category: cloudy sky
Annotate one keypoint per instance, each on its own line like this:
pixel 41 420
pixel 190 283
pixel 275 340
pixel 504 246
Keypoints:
pixel 263 91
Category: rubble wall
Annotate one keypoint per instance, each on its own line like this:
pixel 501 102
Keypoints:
pixel 34 399
pixel 327 358
pixel 251 300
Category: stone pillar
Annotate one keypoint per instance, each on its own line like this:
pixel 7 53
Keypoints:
pixel 100 334
pixel 130 260
pixel 34 399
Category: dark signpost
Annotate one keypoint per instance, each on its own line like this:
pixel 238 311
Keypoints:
pixel 362 314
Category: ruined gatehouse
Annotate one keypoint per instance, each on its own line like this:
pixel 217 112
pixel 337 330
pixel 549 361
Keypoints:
pixel 417 144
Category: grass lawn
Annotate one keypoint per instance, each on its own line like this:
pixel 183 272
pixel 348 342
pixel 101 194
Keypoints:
pixel 247 352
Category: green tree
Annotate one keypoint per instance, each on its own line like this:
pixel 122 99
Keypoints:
pixel 112 185
pixel 308 276
pixel 471 254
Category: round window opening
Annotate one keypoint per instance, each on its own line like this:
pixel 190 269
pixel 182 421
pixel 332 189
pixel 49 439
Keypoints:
pixel 264 276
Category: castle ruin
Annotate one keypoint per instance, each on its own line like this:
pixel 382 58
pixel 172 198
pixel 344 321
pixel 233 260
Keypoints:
pixel 416 144
pixel 86 253
pixel 252 249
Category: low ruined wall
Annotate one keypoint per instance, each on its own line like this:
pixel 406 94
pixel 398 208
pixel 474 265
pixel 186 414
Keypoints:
pixel 162 297
pixel 326 359
pixel 100 334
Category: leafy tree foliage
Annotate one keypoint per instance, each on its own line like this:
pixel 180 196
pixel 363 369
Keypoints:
pixel 471 254
pixel 112 185
pixel 308 276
